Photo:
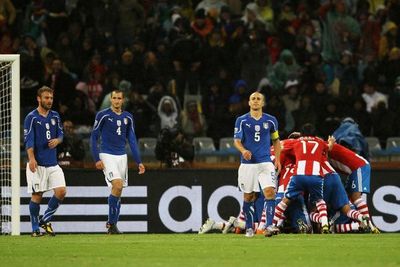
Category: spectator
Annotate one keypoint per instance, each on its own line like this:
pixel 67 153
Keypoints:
pixel 384 122
pixel 373 97
pixel 286 68
pixel 193 123
pixel 388 39
pixel 168 113
pixel 7 15
pixel 340 30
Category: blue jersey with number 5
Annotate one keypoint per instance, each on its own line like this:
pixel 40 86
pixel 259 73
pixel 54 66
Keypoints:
pixel 256 136
pixel 38 131
pixel 114 130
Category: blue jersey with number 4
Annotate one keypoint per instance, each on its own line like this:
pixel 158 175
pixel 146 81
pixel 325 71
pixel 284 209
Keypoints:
pixel 114 129
pixel 256 136
pixel 38 131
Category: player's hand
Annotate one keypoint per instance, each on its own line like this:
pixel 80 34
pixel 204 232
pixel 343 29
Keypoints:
pixel 99 165
pixel 142 169
pixel 278 167
pixel 53 142
pixel 246 155
pixel 32 165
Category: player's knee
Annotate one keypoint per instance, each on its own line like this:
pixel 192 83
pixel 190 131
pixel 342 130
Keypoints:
pixel 269 193
pixel 60 193
pixel 249 197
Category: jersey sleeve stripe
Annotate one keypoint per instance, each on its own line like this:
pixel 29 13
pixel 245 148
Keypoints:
pixel 98 124
pixel 133 130
pixel 273 123
pixel 30 126
pixel 240 126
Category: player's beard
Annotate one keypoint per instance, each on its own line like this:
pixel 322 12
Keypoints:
pixel 45 106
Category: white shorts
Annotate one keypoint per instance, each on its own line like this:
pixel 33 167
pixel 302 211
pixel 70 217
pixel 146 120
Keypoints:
pixel 253 176
pixel 44 178
pixel 115 167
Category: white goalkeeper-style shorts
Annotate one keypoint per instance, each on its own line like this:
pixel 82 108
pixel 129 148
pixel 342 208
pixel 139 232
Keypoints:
pixel 44 178
pixel 252 177
pixel 115 167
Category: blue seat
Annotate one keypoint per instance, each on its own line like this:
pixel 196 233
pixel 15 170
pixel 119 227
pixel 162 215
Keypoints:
pixel 226 146
pixel 393 145
pixel 204 145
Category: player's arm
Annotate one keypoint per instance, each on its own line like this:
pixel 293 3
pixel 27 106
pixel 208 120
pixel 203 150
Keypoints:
pixel 93 141
pixel 60 135
pixel 239 146
pixel 238 135
pixel 277 149
pixel 134 147
pixel 29 140
pixel 276 143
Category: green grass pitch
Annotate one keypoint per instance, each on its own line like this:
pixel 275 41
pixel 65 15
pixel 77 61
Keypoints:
pixel 201 250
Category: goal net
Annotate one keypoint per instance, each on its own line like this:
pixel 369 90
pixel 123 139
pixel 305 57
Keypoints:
pixel 9 145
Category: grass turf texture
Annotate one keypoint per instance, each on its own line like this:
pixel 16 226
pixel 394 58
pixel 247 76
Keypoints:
pixel 201 250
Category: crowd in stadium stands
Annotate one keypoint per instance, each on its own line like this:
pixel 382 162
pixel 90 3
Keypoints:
pixel 192 64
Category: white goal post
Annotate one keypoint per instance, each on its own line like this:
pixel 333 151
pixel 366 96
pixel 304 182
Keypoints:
pixel 10 144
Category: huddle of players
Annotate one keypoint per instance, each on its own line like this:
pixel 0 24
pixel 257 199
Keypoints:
pixel 309 174
pixel 308 163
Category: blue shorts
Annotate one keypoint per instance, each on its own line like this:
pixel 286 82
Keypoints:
pixel 295 211
pixel 335 195
pixel 359 180
pixel 305 183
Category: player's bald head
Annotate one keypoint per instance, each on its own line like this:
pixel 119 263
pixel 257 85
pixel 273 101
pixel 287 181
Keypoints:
pixel 257 95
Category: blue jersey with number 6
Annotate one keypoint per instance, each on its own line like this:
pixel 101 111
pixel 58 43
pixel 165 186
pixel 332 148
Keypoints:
pixel 38 131
pixel 256 136
pixel 114 130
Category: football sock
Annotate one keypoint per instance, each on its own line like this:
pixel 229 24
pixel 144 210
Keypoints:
pixel 355 215
pixel 248 208
pixel 269 206
pixel 362 207
pixel 323 214
pixel 112 209
pixel 52 207
pixel 314 216
pixel 118 208
pixel 346 227
pixel 34 209
pixel 279 215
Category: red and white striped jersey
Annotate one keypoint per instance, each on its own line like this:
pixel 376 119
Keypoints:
pixel 310 152
pixel 344 160
pixel 285 176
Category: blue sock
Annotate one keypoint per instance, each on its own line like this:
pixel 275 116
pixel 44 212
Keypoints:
pixel 269 205
pixel 34 209
pixel 118 208
pixel 112 209
pixel 53 205
pixel 248 209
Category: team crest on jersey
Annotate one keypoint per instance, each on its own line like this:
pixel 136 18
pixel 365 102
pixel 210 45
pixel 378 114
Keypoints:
pixel 53 122
pixel 125 121
pixel 257 128
pixel 47 126
pixel 118 123
pixel 265 125
pixel 95 123
pixel 236 129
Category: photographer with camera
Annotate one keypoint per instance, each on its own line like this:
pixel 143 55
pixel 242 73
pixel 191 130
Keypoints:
pixel 173 148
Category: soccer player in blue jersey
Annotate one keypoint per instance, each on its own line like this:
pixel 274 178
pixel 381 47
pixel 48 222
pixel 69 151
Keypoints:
pixel 115 127
pixel 42 134
pixel 253 134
